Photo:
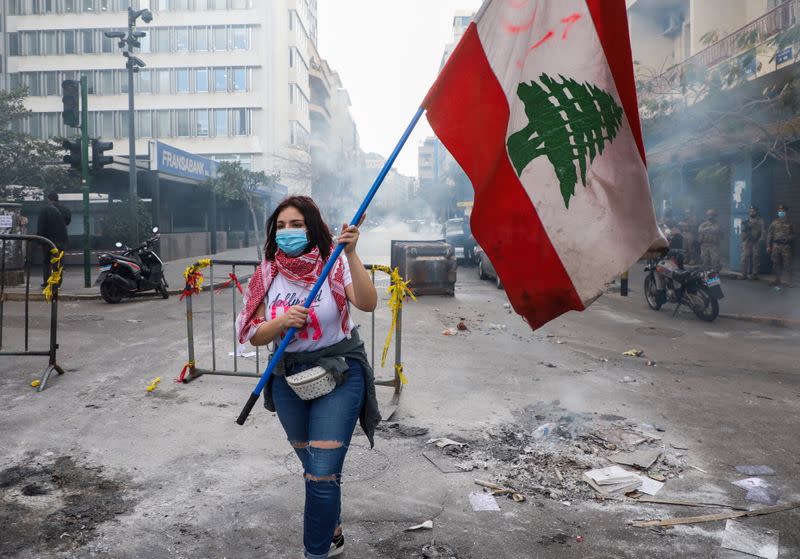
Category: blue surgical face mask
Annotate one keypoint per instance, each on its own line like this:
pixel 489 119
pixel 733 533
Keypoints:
pixel 781 213
pixel 292 241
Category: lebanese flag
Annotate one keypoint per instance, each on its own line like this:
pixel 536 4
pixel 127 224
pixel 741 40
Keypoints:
pixel 538 105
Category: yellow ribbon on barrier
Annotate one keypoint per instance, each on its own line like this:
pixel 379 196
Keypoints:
pixel 54 280
pixel 398 291
pixel 194 277
pixel 399 370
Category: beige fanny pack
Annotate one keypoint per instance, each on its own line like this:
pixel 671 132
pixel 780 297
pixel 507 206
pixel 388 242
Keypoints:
pixel 312 383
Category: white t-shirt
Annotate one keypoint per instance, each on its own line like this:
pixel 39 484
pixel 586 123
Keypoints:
pixel 324 326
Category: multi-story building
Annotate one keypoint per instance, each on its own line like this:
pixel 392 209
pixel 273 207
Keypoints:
pixel 228 79
pixel 336 156
pixel 436 167
pixel 716 98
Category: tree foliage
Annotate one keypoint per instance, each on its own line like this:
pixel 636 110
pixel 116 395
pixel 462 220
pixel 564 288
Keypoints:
pixel 24 160
pixel 235 183
pixel 118 226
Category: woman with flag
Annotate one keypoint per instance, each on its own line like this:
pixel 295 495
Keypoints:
pixel 323 381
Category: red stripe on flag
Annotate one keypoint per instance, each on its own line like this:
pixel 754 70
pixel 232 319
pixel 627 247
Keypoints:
pixel 611 22
pixel 469 112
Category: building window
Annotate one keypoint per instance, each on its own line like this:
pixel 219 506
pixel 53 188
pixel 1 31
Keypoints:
pixel 107 82
pixel 50 42
pixel 13 44
pixel 163 81
pixel 220 38
pixel 201 80
pixel 239 79
pixel 182 80
pixel 182 122
pixel 239 122
pixel 220 122
pixel 53 122
pixel 201 39
pixel 162 120
pixel 69 42
pixel 240 38
pixel 217 4
pixel 201 122
pixel 145 42
pixel 88 5
pixel 162 40
pixel 31 43
pixel 107 45
pixel 52 87
pixel 239 4
pixel 144 124
pixel 88 41
pixel 220 79
pixel 145 81
pixel 181 39
pixel 107 124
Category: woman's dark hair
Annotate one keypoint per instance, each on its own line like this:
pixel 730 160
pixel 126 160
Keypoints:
pixel 318 233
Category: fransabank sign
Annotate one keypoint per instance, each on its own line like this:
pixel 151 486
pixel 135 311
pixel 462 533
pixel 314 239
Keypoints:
pixel 174 161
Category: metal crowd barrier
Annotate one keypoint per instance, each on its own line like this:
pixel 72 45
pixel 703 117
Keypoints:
pixel 27 240
pixel 194 371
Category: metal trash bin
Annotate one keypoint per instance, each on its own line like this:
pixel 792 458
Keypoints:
pixel 430 266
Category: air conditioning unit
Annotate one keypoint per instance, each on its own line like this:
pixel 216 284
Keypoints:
pixel 673 25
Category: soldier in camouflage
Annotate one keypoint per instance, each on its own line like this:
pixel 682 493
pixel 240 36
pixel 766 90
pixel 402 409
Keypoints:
pixel 779 245
pixel 709 234
pixel 752 235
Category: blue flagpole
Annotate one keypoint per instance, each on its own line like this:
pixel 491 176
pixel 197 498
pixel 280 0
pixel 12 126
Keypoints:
pixel 327 269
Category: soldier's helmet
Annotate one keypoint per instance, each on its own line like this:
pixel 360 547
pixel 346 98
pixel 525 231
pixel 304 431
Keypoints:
pixel 711 213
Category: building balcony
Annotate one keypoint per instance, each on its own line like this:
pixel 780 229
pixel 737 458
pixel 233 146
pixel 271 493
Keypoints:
pixel 748 52
pixel 321 111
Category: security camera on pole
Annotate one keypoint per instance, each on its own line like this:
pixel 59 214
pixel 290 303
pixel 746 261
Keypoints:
pixel 128 43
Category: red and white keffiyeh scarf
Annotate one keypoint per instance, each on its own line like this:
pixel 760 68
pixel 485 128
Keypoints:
pixel 305 270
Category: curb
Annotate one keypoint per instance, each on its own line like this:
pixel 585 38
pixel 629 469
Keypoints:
pixel 771 320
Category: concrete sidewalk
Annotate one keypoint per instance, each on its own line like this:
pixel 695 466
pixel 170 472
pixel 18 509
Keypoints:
pixel 752 300
pixel 72 288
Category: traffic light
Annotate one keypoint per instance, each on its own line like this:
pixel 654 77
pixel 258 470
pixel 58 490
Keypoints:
pixel 99 160
pixel 71 95
pixel 74 157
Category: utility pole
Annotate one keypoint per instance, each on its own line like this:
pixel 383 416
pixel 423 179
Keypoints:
pixel 87 241
pixel 133 63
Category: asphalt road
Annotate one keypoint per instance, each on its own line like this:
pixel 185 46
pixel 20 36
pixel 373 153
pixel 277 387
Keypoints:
pixel 95 466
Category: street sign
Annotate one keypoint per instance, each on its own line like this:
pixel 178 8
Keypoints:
pixel 784 55
pixel 174 161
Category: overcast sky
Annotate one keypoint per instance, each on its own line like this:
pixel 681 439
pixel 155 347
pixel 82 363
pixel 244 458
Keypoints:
pixel 387 53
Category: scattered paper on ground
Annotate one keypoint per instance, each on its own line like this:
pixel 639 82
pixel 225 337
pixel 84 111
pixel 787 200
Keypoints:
pixel 483 502
pixel 649 486
pixel 427 525
pixel 761 543
pixel 445 442
pixel 640 458
pixel 634 353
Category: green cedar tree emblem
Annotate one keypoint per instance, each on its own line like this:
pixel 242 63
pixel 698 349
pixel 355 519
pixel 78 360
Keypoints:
pixel 569 122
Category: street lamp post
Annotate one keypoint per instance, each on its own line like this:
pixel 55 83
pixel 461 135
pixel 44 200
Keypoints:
pixel 132 63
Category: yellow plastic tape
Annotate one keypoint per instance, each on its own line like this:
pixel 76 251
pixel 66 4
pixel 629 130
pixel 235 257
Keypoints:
pixel 153 384
pixel 194 277
pixel 399 369
pixel 398 291
pixel 54 280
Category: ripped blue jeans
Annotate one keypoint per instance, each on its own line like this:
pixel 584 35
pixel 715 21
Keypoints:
pixel 320 432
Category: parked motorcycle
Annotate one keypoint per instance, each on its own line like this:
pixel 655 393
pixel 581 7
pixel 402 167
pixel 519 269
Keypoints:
pixel 668 282
pixel 134 271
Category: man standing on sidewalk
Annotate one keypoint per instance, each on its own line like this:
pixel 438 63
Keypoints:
pixel 779 245
pixel 752 234
pixel 709 235
pixel 53 221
